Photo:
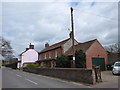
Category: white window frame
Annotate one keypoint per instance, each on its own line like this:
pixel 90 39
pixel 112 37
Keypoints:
pixel 45 56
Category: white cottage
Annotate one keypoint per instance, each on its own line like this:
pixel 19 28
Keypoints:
pixel 28 56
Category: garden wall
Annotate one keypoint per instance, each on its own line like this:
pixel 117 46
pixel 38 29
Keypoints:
pixel 72 74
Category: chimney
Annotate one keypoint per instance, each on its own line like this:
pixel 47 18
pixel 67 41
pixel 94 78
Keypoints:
pixel 46 45
pixel 31 46
pixel 27 49
pixel 71 35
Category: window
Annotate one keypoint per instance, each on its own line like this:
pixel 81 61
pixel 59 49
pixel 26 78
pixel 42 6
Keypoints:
pixel 45 56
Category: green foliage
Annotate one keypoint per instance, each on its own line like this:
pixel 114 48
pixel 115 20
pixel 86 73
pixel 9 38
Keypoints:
pixel 52 66
pixel 33 65
pixel 80 59
pixel 62 62
pixel 3 64
pixel 100 80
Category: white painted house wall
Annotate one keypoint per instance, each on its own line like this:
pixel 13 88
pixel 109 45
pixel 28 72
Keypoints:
pixel 29 56
pixel 68 44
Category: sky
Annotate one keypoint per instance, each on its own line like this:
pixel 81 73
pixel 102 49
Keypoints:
pixel 40 22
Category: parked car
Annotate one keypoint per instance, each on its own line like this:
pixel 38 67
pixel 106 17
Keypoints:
pixel 116 68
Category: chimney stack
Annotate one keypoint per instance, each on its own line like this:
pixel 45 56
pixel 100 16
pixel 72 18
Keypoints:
pixel 46 45
pixel 31 46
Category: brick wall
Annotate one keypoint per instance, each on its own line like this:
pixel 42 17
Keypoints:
pixel 51 53
pixel 95 51
pixel 113 57
pixel 72 74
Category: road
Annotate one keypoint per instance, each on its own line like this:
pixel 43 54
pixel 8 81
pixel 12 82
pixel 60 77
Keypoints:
pixel 19 79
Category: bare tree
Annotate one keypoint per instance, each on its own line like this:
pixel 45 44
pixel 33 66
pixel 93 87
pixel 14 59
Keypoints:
pixel 5 49
pixel 113 48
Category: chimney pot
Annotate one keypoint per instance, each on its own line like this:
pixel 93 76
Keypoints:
pixel 31 46
pixel 46 45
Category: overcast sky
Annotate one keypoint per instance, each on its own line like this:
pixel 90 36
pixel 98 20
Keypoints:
pixel 41 22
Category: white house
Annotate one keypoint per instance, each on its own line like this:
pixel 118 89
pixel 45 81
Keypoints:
pixel 28 56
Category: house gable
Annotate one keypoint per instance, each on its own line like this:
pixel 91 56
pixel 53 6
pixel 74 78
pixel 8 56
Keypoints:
pixel 68 45
pixel 29 56
pixel 95 51
pixel 97 47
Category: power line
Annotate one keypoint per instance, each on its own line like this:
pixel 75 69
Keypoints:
pixel 112 19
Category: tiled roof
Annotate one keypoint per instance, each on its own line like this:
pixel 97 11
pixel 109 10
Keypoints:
pixel 81 46
pixel 54 45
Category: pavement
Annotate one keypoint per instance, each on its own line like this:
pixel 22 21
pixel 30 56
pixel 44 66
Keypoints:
pixel 109 81
pixel 19 79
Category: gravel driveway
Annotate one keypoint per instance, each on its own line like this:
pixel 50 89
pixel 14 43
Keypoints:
pixel 109 81
pixel 107 76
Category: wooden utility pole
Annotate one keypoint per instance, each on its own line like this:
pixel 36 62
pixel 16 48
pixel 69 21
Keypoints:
pixel 73 44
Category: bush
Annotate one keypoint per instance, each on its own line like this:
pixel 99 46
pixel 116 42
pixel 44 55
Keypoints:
pixel 80 59
pixel 12 65
pixel 33 65
pixel 63 62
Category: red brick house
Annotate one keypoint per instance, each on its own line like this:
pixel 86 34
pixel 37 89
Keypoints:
pixel 95 53
pixel 48 55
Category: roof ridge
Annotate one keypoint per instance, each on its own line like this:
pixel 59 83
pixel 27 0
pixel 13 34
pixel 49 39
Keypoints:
pixel 59 42
pixel 50 47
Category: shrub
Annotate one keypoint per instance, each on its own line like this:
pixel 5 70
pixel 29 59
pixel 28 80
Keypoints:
pixel 32 65
pixel 63 62
pixel 80 59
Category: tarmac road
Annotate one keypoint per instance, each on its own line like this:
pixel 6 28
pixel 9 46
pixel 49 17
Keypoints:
pixel 19 79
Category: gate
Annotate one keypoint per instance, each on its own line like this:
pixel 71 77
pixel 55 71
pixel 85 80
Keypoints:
pixel 98 77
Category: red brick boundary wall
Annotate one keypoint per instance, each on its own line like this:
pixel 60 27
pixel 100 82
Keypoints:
pixel 72 74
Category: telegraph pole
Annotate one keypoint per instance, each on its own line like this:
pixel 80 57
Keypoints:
pixel 73 45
